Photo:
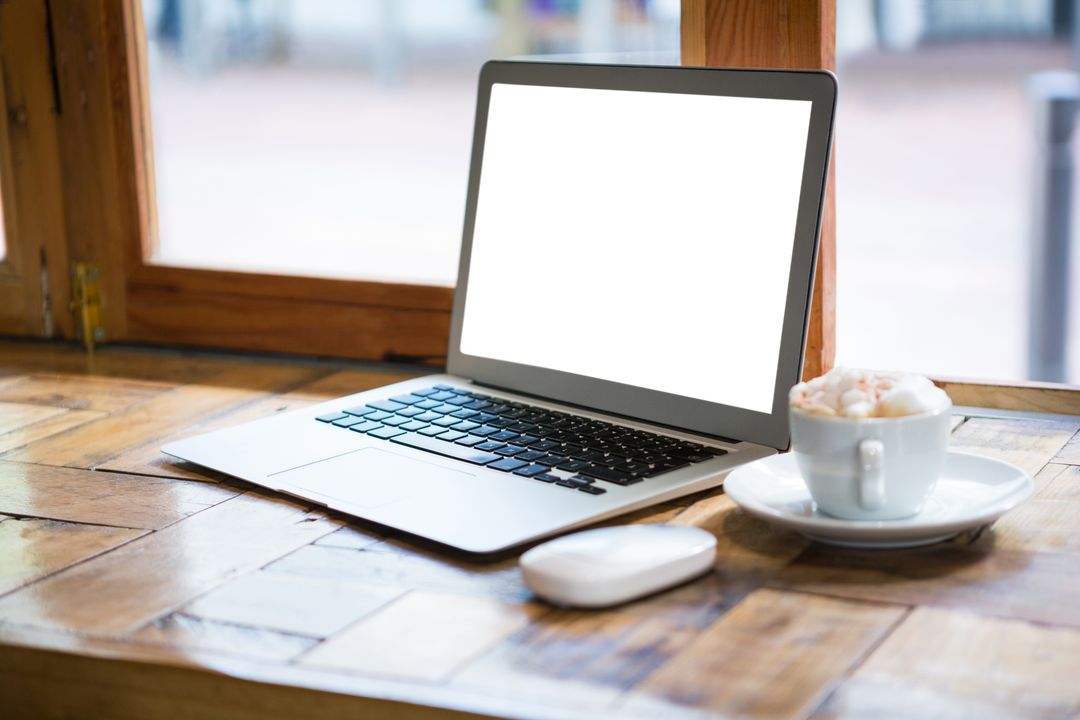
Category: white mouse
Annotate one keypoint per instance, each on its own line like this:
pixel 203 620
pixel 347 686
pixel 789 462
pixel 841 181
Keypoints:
pixel 599 568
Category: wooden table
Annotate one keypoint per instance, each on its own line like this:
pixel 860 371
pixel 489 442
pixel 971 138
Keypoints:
pixel 134 586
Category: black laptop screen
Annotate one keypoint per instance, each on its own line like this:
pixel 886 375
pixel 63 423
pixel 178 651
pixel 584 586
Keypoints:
pixel 610 240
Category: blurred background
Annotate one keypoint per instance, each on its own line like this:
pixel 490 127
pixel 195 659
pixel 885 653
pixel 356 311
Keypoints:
pixel 331 138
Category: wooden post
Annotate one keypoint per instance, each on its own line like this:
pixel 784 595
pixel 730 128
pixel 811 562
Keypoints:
pixel 777 34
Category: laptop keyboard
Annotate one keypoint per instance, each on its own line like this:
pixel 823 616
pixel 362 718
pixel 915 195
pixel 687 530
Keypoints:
pixel 521 439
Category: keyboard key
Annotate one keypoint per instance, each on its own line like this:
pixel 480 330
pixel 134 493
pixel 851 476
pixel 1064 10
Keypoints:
pixel 387 405
pixel 331 417
pixel 367 426
pixel 661 468
pixel 592 489
pixel 587 455
pixel 451 435
pixel 359 410
pixel 525 439
pixel 481 417
pixel 550 460
pixel 478 405
pixel 565 450
pixel 439 447
pixel 409 399
pixel 446 421
pixel 691 455
pixel 531 470
pixel 531 455
pixel 442 396
pixel 547 477
pixel 510 450
pixel 348 421
pixel 504 436
pixel 508 464
pixel 470 441
pixel 379 416
pixel 459 400
pixel 413 426
pixel 490 446
pixel 410 412
pixel 386 432
pixel 572 465
pixel 432 430
pixel 543 445
pixel 608 475
pixel 444 409
pixel 521 427
pixel 500 422
pixel 445 387
pixel 464 414
pixel 394 421
pixel 485 431
pixel 428 417
pixel 570 484
pixel 427 404
pixel 466 426
pixel 426 392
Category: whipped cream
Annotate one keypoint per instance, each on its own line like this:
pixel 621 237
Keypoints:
pixel 848 392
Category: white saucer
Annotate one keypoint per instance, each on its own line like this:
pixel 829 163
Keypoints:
pixel 973 490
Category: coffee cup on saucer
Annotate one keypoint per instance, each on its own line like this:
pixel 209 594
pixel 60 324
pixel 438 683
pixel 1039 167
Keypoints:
pixel 869 445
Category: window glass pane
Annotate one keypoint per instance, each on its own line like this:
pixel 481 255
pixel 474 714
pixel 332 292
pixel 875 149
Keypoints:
pixel 937 154
pixel 332 137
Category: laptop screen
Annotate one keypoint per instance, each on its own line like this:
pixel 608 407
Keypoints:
pixel 608 239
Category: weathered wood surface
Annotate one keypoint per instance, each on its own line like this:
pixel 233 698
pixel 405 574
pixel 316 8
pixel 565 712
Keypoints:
pixel 135 586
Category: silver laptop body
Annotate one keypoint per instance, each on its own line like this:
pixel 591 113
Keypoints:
pixel 637 265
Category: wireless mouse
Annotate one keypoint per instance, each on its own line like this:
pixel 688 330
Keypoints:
pixel 608 566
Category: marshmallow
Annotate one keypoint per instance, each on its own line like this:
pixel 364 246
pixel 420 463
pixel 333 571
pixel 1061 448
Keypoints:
pixel 848 392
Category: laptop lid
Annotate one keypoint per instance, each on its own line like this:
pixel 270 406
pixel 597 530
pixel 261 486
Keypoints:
pixel 642 240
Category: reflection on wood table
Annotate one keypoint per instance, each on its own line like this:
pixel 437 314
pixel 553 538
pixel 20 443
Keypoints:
pixel 133 585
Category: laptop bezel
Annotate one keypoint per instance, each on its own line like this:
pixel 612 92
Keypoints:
pixel 770 429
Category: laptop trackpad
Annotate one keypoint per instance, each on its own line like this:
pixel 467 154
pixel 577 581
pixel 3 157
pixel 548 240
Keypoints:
pixel 372 477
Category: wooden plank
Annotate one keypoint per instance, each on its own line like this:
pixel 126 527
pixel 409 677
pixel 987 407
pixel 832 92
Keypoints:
pixel 744 543
pixel 166 414
pixel 302 327
pixel 1040 526
pixel 31 549
pixel 410 569
pixel 181 631
pixel 348 382
pixel 945 663
pixel 424 635
pixel 575 659
pixel 64 420
pixel 1070 454
pixel 291 603
pixel 1025 396
pixel 112 499
pixel 351 538
pixel 15 415
pixel 1028 444
pixel 1044 587
pixel 151 461
pixel 79 393
pixel 134 584
pixel 775 655
pixel 1057 482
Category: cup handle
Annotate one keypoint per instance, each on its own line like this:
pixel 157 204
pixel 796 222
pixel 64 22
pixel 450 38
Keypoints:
pixel 871 474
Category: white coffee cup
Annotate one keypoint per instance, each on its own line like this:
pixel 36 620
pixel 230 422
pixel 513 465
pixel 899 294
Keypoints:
pixel 876 468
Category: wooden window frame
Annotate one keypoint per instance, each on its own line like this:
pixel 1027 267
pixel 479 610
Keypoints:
pixel 78 146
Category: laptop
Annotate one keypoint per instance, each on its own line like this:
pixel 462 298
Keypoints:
pixel 631 309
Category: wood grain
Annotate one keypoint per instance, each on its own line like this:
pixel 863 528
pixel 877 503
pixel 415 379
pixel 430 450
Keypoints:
pixel 132 585
pixel 968 665
pixel 775 655
pixel 31 549
pixel 1028 444
pixel 291 603
pixel 16 415
pixel 178 630
pixel 424 635
pixel 1057 482
pixel 576 659
pixel 151 461
pixel 1070 454
pixel 79 393
pixel 416 569
pixel 1025 396
pixel 147 422
pixel 1044 587
pixel 1040 526
pixel 112 499
pixel 63 420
